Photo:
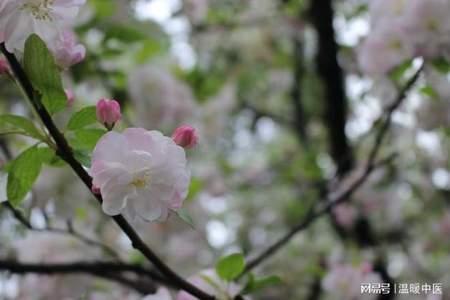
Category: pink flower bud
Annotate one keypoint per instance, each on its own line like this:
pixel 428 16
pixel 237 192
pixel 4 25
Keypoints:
pixel 108 112
pixel 95 190
pixel 4 66
pixel 185 136
pixel 70 97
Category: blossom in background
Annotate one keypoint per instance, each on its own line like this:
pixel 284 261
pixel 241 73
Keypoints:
pixel 385 10
pixel 160 100
pixel 385 48
pixel 161 294
pixel 345 215
pixel 344 281
pixel 402 30
pixel 429 26
pixel 66 50
pixel 141 173
pixel 185 136
pixel 48 19
pixel 108 112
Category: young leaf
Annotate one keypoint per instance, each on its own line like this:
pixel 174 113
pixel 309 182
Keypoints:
pixel 83 157
pixel 23 173
pixel 442 65
pixel 254 284
pixel 49 157
pixel 429 91
pixel 82 118
pixel 24 125
pixel 86 139
pixel 185 216
pixel 195 188
pixel 44 74
pixel 397 73
pixel 229 267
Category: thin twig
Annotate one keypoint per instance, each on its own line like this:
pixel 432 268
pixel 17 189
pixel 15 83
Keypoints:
pixel 70 229
pixel 343 194
pixel 66 153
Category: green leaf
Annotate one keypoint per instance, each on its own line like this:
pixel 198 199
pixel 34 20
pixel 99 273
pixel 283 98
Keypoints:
pixel 82 118
pixel 83 157
pixel 49 157
pixel 442 65
pixel 104 8
pixel 229 267
pixel 149 48
pixel 124 33
pixel 254 284
pixel 24 171
pixel 86 139
pixel 195 188
pixel 186 217
pixel 429 91
pixel 397 73
pixel 23 125
pixel 44 74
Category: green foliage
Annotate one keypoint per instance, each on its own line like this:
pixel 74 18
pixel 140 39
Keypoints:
pixel 205 83
pixel 86 139
pixel 48 156
pixel 149 48
pixel 429 91
pixel 195 187
pixel 186 217
pixel 24 171
pixel 442 65
pixel 44 74
pixel 256 284
pixel 398 72
pixel 21 125
pixel 82 118
pixel 104 8
pixel 230 267
pixel 124 33
pixel 83 157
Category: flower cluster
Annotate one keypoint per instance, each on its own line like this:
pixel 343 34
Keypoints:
pixel 402 30
pixel 50 19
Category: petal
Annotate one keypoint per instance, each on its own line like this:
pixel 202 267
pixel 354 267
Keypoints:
pixel 111 147
pixel 102 172
pixel 147 207
pixel 139 139
pixel 136 161
pixel 114 197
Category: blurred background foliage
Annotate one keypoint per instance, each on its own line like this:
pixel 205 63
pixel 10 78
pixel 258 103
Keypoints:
pixel 274 131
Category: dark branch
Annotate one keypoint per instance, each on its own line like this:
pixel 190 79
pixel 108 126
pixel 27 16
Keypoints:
pixel 343 194
pixel 332 75
pixel 107 270
pixel 69 231
pixel 65 152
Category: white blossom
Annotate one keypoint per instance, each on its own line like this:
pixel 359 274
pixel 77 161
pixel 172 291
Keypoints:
pixel 141 173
